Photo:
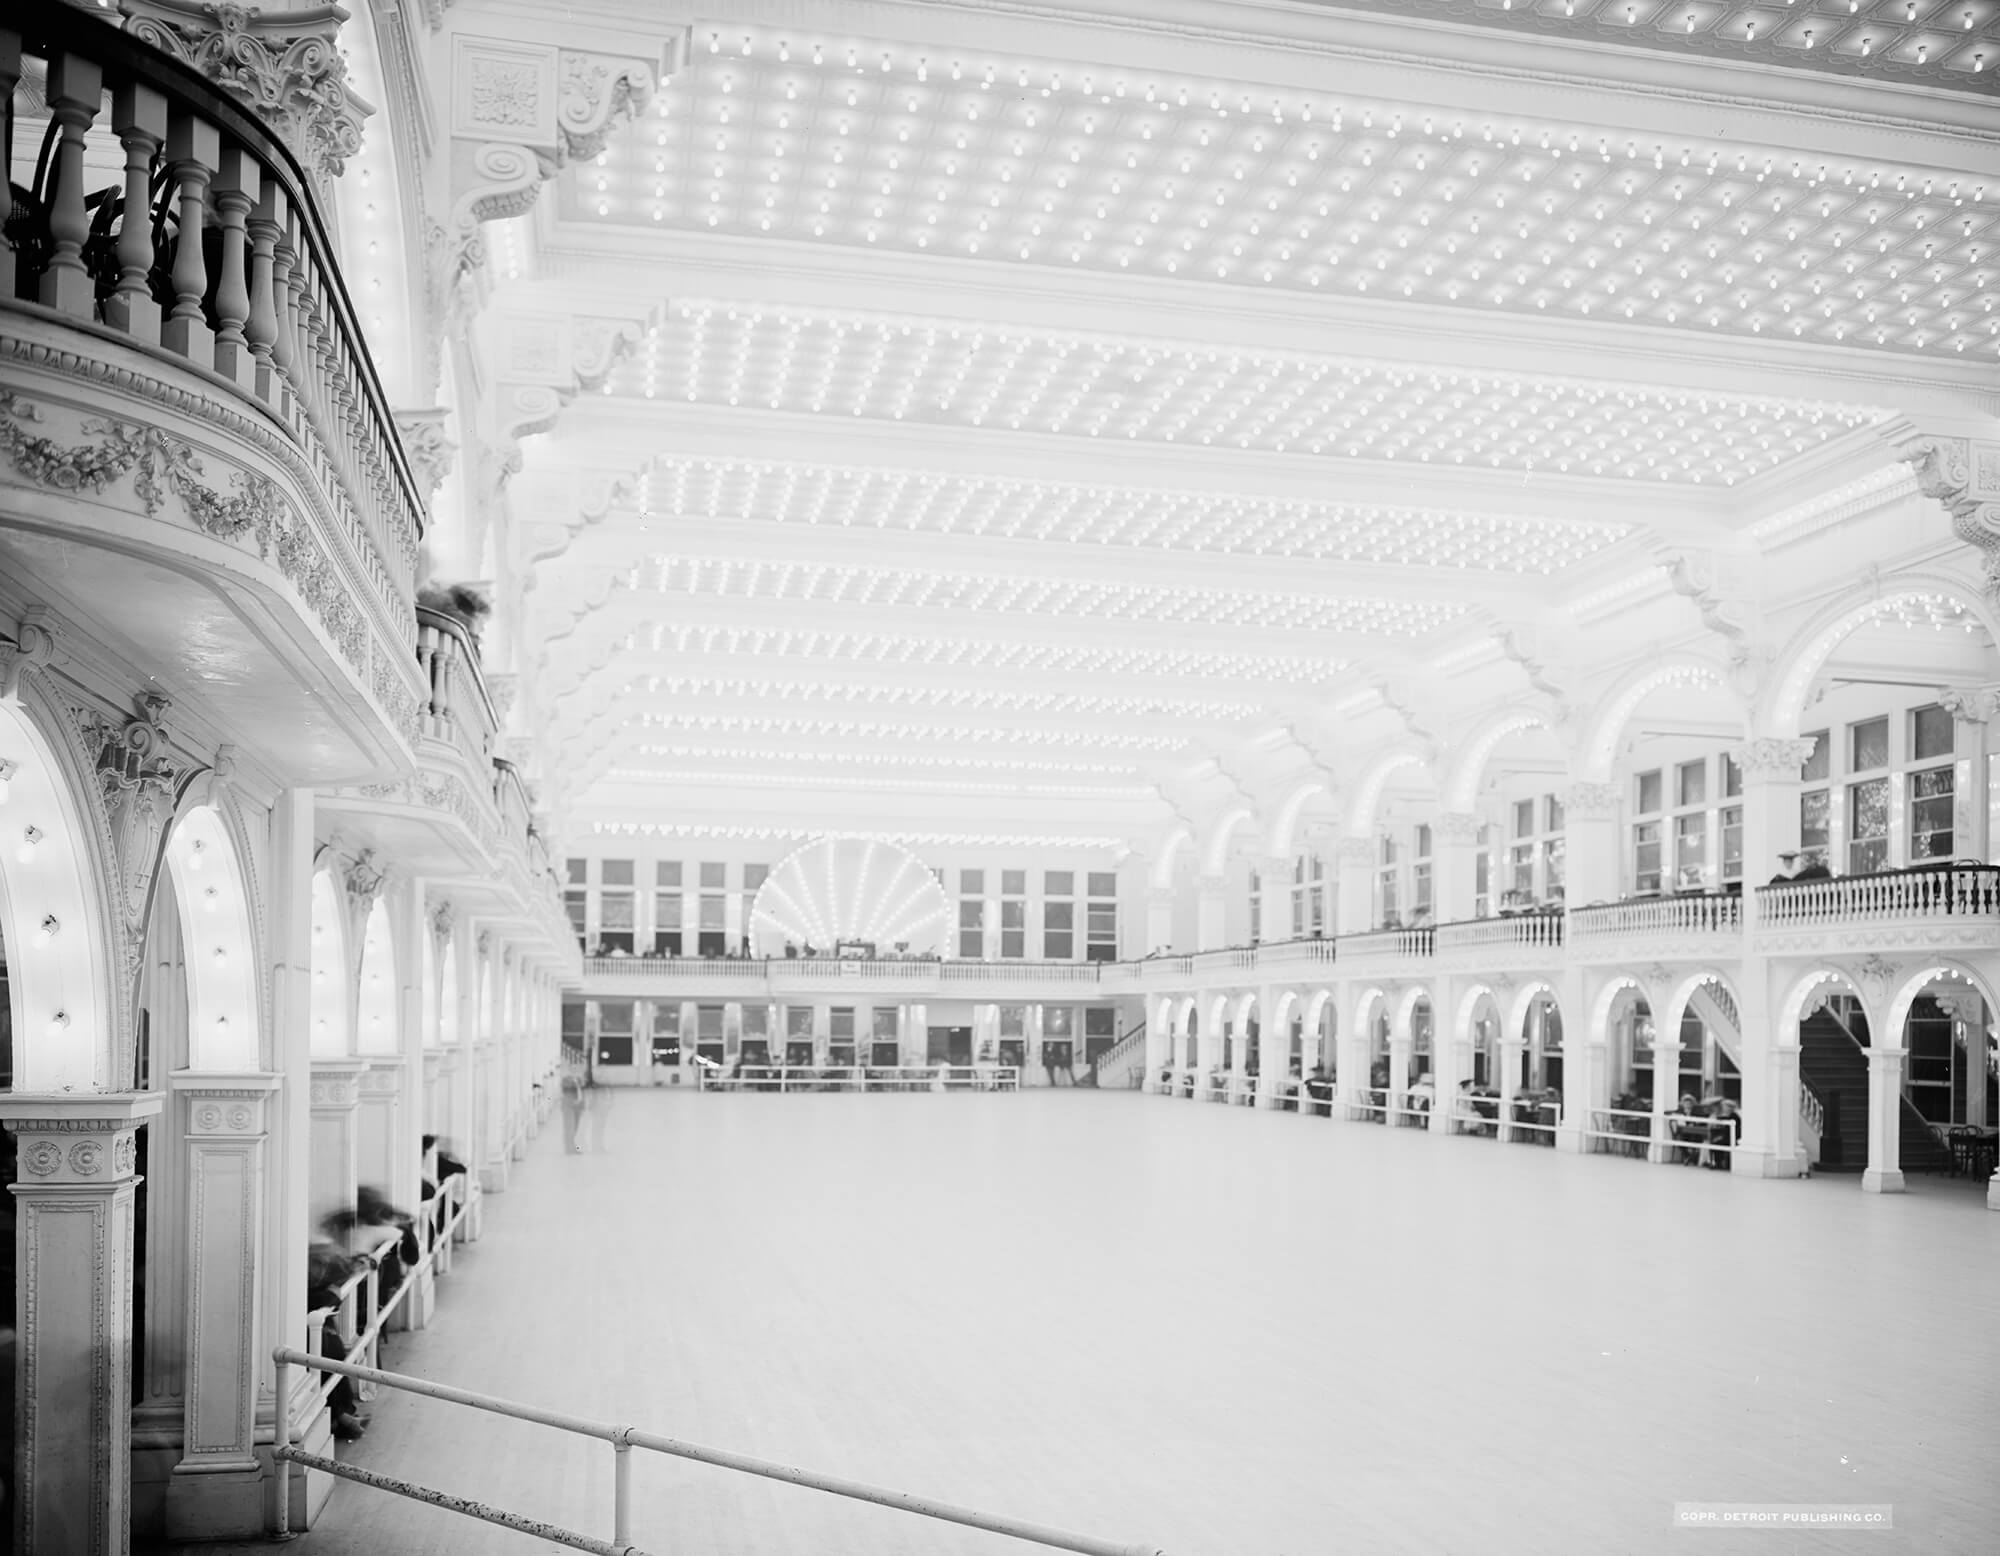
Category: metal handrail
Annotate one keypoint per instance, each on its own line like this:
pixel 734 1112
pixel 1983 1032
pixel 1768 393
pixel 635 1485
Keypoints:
pixel 623 1439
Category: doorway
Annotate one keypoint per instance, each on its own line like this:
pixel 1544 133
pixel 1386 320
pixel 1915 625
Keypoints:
pixel 948 1045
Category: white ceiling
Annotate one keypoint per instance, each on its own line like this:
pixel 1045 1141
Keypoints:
pixel 1024 414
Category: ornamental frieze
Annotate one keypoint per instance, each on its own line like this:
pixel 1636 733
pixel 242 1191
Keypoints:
pixel 251 514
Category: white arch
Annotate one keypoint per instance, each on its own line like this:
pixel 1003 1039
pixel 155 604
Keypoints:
pixel 1906 996
pixel 1364 1007
pixel 1599 755
pixel 329 1037
pixel 1215 857
pixel 1461 786
pixel 1168 855
pixel 52 914
pixel 1279 843
pixel 1321 998
pixel 1791 1009
pixel 216 944
pixel 1360 818
pixel 1524 1001
pixel 1244 1005
pixel 1813 644
pixel 1674 1008
pixel 1287 998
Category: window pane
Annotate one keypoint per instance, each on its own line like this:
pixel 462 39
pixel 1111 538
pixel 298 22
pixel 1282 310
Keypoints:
pixel 1059 883
pixel 1732 843
pixel 714 875
pixel 1867 826
pixel 1869 745
pixel 1554 850
pixel 1649 793
pixel 972 882
pixel 1423 841
pixel 1691 784
pixel 667 873
pixel 754 876
pixel 1930 733
pixel 1820 762
pixel 1646 854
pixel 1102 883
pixel 1690 851
pixel 578 870
pixel 971 914
pixel 1553 807
pixel 615 912
pixel 1524 818
pixel 1815 807
pixel 1013 883
pixel 712 912
pixel 1059 915
pixel 1930 814
pixel 1732 776
pixel 617 872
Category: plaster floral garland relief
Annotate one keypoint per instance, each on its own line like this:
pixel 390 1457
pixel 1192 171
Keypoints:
pixel 252 513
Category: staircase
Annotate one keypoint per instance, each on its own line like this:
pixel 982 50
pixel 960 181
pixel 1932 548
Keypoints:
pixel 1122 1066
pixel 1834 1064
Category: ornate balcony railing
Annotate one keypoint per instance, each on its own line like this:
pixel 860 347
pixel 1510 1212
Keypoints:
pixel 208 251
pixel 457 707
pixel 1955 893
pixel 1531 931
pixel 1710 913
pixel 1388 945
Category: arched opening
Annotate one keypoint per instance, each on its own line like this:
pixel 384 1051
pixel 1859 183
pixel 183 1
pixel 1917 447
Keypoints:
pixel 1520 853
pixel 60 1028
pixel 1371 1029
pixel 1626 1018
pixel 1950 1082
pixel 1320 1057
pixel 1831 1020
pixel 329 1037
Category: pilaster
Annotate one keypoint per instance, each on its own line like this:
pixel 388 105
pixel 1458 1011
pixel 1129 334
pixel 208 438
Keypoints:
pixel 1211 912
pixel 1591 850
pixel 1972 800
pixel 74 1207
pixel 1159 918
pixel 380 1154
pixel 1884 1174
pixel 336 1099
pixel 216 1491
pixel 1454 865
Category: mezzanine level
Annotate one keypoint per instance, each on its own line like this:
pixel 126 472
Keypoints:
pixel 1956 906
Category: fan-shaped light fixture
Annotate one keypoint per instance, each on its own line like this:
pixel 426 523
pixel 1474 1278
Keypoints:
pixel 850 893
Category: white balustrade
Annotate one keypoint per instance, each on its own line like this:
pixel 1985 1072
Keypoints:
pixel 1694 914
pixel 1951 892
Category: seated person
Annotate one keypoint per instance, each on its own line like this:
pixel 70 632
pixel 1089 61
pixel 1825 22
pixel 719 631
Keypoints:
pixel 1689 1128
pixel 327 1266
pixel 1725 1127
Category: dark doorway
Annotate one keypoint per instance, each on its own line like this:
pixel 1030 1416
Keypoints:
pixel 949 1045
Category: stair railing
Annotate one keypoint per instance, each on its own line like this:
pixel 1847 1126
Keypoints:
pixel 623 1439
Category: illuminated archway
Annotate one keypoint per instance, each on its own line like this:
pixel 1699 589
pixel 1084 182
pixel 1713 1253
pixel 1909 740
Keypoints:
pixel 329 1037
pixel 377 1029
pixel 220 955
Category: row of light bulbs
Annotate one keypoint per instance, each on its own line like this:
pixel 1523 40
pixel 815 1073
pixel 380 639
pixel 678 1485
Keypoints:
pixel 940 734
pixel 887 588
pixel 1112 514
pixel 885 366
pixel 939 839
pixel 945 760
pixel 875 783
pixel 1198 710
pixel 890 648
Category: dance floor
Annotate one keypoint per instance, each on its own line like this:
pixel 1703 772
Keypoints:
pixel 1220 1332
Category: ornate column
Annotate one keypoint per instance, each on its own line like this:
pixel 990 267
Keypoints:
pixel 379 1127
pixel 1355 913
pixel 1770 1058
pixel 1454 865
pixel 1666 1092
pixel 1972 798
pixel 1402 1046
pixel 73 1303
pixel 336 1099
pixel 1884 1174
pixel 217 1489
pixel 1448 1065
pixel 1211 912
pixel 1507 1051
pixel 1159 918
pixel 1274 1044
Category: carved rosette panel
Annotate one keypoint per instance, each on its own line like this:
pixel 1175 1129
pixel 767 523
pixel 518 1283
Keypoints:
pixel 67 1152
pixel 339 1090
pixel 382 1078
pixel 223 1113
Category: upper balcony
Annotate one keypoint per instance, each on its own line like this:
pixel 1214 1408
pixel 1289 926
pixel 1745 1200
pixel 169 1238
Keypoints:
pixel 1946 907
pixel 1697 925
pixel 190 400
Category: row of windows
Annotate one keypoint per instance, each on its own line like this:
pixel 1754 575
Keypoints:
pixel 1008 912
pixel 713 1035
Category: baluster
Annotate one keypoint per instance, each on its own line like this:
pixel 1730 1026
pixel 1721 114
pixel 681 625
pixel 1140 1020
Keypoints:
pixel 139 115
pixel 285 304
pixel 262 329
pixel 194 147
pixel 76 86
pixel 10 73
pixel 237 182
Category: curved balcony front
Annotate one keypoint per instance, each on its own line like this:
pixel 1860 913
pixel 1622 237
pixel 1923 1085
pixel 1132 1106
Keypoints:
pixel 197 461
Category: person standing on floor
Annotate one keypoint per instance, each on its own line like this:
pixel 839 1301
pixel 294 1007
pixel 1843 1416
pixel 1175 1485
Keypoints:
pixel 574 1102
pixel 597 1104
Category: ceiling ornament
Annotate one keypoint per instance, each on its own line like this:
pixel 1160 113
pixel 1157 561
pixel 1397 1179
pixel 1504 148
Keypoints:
pixel 1119 170
pixel 1964 475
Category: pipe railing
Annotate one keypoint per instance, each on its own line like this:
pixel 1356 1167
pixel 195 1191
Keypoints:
pixel 623 1439
pixel 902 1077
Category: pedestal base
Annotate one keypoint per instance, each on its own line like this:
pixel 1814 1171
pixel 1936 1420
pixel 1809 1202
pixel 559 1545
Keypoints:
pixel 1882 1181
pixel 217 1504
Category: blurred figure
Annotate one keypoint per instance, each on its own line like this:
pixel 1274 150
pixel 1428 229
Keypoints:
pixel 574 1101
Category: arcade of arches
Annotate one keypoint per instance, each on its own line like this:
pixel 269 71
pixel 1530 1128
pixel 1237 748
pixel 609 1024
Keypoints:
pixel 1347 560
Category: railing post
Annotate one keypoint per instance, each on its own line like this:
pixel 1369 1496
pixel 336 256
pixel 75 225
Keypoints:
pixel 281 1437
pixel 236 188
pixel 139 115
pixel 621 1486
pixel 75 88
pixel 263 331
pixel 194 147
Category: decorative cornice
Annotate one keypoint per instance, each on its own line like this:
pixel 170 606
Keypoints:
pixel 425 446
pixel 1965 477
pixel 1826 509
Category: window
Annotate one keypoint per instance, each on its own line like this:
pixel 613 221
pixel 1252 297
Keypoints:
pixel 1388 883
pixel 1649 794
pixel 1420 876
pixel 1868 745
pixel 1013 883
pixel 972 883
pixel 1100 925
pixel 708 1033
pixel 714 877
pixel 1524 818
pixel 1482 874
pixel 1013 927
pixel 1058 931
pixel 1059 883
pixel 1732 843
pixel 1732 776
pixel 667 908
pixel 1256 906
pixel 1646 857
pixel 614 1032
pixel 1552 809
pixel 576 895
pixel 1815 817
pixel 1932 789
pixel 1555 854
pixel 1690 850
pixel 616 905
pixel 971 928
pixel 1690 784
pixel 1867 826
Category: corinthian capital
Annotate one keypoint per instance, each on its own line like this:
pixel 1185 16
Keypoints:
pixel 1970 704
pixel 1772 758
pixel 1964 476
pixel 284 64
pixel 1583 801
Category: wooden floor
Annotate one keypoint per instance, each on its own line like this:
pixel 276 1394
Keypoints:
pixel 1227 1333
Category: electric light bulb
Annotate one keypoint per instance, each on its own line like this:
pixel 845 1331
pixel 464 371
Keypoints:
pixel 29 839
